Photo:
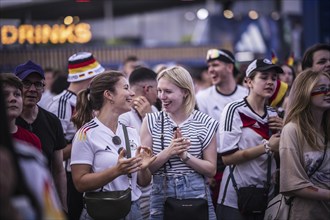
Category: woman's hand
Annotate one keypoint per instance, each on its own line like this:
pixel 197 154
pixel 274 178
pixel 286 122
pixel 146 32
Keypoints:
pixel 274 142
pixel 145 153
pixel 275 124
pixel 130 165
pixel 179 145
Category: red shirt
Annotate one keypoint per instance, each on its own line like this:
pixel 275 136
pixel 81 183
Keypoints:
pixel 27 136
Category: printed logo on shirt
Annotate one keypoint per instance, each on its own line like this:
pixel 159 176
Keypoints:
pixel 82 132
pixel 256 125
pixel 132 144
pixel 107 148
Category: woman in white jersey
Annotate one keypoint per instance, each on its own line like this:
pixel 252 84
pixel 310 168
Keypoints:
pixel 305 147
pixel 97 158
pixel 183 140
pixel 248 136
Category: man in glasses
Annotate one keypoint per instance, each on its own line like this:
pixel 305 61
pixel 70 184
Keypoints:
pixel 42 123
pixel 224 89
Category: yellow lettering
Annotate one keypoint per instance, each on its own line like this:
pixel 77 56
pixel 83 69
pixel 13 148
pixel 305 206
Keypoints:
pixel 66 34
pixel 8 34
pixel 43 34
pixel 25 33
pixel 54 36
pixel 46 31
pixel 83 33
pixel 38 34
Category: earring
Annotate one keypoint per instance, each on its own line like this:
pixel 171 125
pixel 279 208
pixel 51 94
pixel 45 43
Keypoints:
pixel 112 102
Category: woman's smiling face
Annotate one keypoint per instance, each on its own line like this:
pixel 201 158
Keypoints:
pixel 171 96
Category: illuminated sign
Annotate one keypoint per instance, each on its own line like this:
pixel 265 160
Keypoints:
pixel 43 34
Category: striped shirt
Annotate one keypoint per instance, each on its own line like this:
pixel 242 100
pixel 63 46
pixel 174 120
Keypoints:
pixel 199 128
pixel 63 106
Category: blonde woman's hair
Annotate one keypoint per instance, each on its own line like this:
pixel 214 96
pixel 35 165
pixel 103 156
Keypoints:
pixel 92 98
pixel 299 107
pixel 180 77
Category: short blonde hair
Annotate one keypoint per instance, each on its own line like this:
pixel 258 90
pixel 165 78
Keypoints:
pixel 180 77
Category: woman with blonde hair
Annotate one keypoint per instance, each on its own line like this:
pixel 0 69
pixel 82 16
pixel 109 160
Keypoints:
pixel 304 146
pixel 97 159
pixel 183 140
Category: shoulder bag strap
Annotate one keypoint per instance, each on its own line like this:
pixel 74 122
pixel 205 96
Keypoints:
pixel 269 171
pixel 267 185
pixel 162 137
pixel 226 186
pixel 128 148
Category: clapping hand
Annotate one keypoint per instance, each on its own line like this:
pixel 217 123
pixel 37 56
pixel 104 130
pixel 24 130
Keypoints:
pixel 179 145
pixel 145 153
pixel 128 165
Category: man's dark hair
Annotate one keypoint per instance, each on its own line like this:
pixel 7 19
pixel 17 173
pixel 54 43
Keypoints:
pixel 130 58
pixel 307 60
pixel 60 83
pixel 141 74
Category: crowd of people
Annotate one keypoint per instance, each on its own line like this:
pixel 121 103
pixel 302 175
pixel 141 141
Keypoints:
pixel 211 136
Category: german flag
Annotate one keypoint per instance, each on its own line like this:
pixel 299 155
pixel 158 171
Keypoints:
pixel 290 60
pixel 274 57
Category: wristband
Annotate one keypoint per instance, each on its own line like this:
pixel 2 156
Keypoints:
pixel 268 151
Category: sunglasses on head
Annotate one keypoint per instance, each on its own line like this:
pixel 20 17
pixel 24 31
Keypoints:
pixel 214 54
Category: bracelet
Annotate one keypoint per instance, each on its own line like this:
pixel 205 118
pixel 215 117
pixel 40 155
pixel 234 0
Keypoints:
pixel 268 151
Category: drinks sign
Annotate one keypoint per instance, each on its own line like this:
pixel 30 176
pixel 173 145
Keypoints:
pixel 44 33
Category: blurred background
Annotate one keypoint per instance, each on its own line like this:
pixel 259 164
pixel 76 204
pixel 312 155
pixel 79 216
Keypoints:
pixel 157 31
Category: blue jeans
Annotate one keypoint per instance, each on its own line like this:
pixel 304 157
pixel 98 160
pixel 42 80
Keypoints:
pixel 134 214
pixel 181 186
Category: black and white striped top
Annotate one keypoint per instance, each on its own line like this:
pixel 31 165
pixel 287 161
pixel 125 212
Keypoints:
pixel 199 128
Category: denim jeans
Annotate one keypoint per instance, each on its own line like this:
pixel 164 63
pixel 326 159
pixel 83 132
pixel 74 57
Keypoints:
pixel 134 214
pixel 181 186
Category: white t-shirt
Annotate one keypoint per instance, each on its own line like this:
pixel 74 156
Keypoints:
pixel 46 98
pixel 132 119
pixel 93 145
pixel 212 102
pixel 63 106
pixel 241 128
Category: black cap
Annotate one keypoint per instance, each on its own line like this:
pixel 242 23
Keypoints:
pixel 262 65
